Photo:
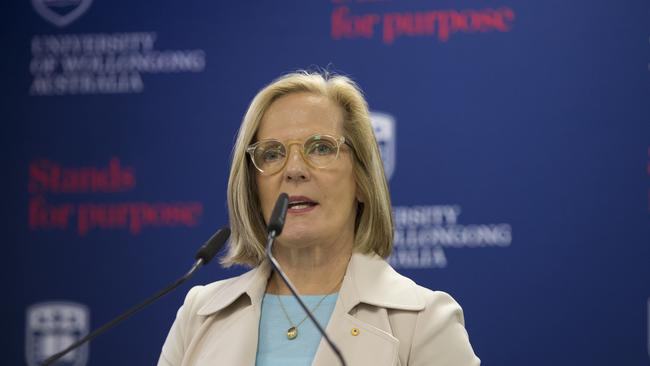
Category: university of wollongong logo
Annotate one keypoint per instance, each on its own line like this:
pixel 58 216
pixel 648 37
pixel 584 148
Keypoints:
pixel 53 326
pixel 61 12
pixel 383 125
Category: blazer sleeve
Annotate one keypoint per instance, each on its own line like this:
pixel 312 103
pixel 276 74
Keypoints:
pixel 440 337
pixel 174 348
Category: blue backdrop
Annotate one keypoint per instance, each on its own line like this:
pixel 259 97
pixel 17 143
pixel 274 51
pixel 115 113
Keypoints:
pixel 516 136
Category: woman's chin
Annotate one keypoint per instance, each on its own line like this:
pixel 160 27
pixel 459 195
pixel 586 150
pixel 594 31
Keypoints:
pixel 297 238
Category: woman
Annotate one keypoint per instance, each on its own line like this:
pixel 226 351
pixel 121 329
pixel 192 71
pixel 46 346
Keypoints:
pixel 309 135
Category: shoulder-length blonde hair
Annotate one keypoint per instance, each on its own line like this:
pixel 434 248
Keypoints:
pixel 374 223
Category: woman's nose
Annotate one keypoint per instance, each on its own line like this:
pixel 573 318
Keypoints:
pixel 297 168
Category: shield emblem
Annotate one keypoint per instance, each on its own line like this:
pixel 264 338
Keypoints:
pixel 384 126
pixel 61 12
pixel 53 326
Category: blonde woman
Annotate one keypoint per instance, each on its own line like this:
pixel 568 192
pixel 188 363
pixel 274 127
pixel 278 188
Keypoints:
pixel 309 135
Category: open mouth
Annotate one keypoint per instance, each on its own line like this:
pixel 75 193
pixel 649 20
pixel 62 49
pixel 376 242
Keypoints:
pixel 301 203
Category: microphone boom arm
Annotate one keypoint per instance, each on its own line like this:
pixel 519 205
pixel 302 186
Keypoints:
pixel 125 315
pixel 203 256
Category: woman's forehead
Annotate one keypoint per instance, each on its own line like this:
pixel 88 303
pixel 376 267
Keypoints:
pixel 300 115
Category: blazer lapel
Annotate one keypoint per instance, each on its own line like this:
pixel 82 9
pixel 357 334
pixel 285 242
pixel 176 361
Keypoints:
pixel 359 324
pixel 227 338
pixel 360 343
pixel 229 334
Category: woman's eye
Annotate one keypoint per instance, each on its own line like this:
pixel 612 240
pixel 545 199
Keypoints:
pixel 322 149
pixel 270 156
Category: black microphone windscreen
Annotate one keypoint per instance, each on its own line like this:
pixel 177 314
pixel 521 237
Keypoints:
pixel 213 245
pixel 279 214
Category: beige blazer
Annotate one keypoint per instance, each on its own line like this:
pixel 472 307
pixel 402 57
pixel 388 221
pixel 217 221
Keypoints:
pixel 396 322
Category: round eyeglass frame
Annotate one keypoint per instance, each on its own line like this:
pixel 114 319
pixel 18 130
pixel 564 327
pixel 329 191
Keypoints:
pixel 287 146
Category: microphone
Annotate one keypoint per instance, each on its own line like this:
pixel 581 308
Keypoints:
pixel 213 245
pixel 274 228
pixel 203 256
pixel 279 214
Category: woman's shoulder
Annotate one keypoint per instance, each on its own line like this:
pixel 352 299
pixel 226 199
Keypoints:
pixel 434 305
pixel 201 296
pixel 375 278
pixel 439 305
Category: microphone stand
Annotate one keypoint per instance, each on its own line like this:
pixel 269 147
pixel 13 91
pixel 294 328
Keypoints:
pixel 50 360
pixel 203 256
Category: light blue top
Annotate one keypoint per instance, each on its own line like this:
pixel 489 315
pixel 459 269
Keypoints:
pixel 273 346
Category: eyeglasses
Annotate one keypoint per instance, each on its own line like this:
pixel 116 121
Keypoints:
pixel 270 156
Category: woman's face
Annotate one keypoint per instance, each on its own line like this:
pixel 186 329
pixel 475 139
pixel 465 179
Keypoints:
pixel 322 201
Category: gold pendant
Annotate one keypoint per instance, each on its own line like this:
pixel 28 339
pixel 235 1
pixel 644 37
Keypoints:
pixel 292 333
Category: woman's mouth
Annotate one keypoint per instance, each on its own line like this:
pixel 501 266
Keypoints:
pixel 300 204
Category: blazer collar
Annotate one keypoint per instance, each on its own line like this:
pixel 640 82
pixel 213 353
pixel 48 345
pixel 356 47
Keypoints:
pixel 251 284
pixel 368 279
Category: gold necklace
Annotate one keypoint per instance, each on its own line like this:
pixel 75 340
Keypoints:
pixel 292 332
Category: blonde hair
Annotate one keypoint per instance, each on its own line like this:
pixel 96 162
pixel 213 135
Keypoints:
pixel 374 223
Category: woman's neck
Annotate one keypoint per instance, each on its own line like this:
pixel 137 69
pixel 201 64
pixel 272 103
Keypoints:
pixel 313 270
